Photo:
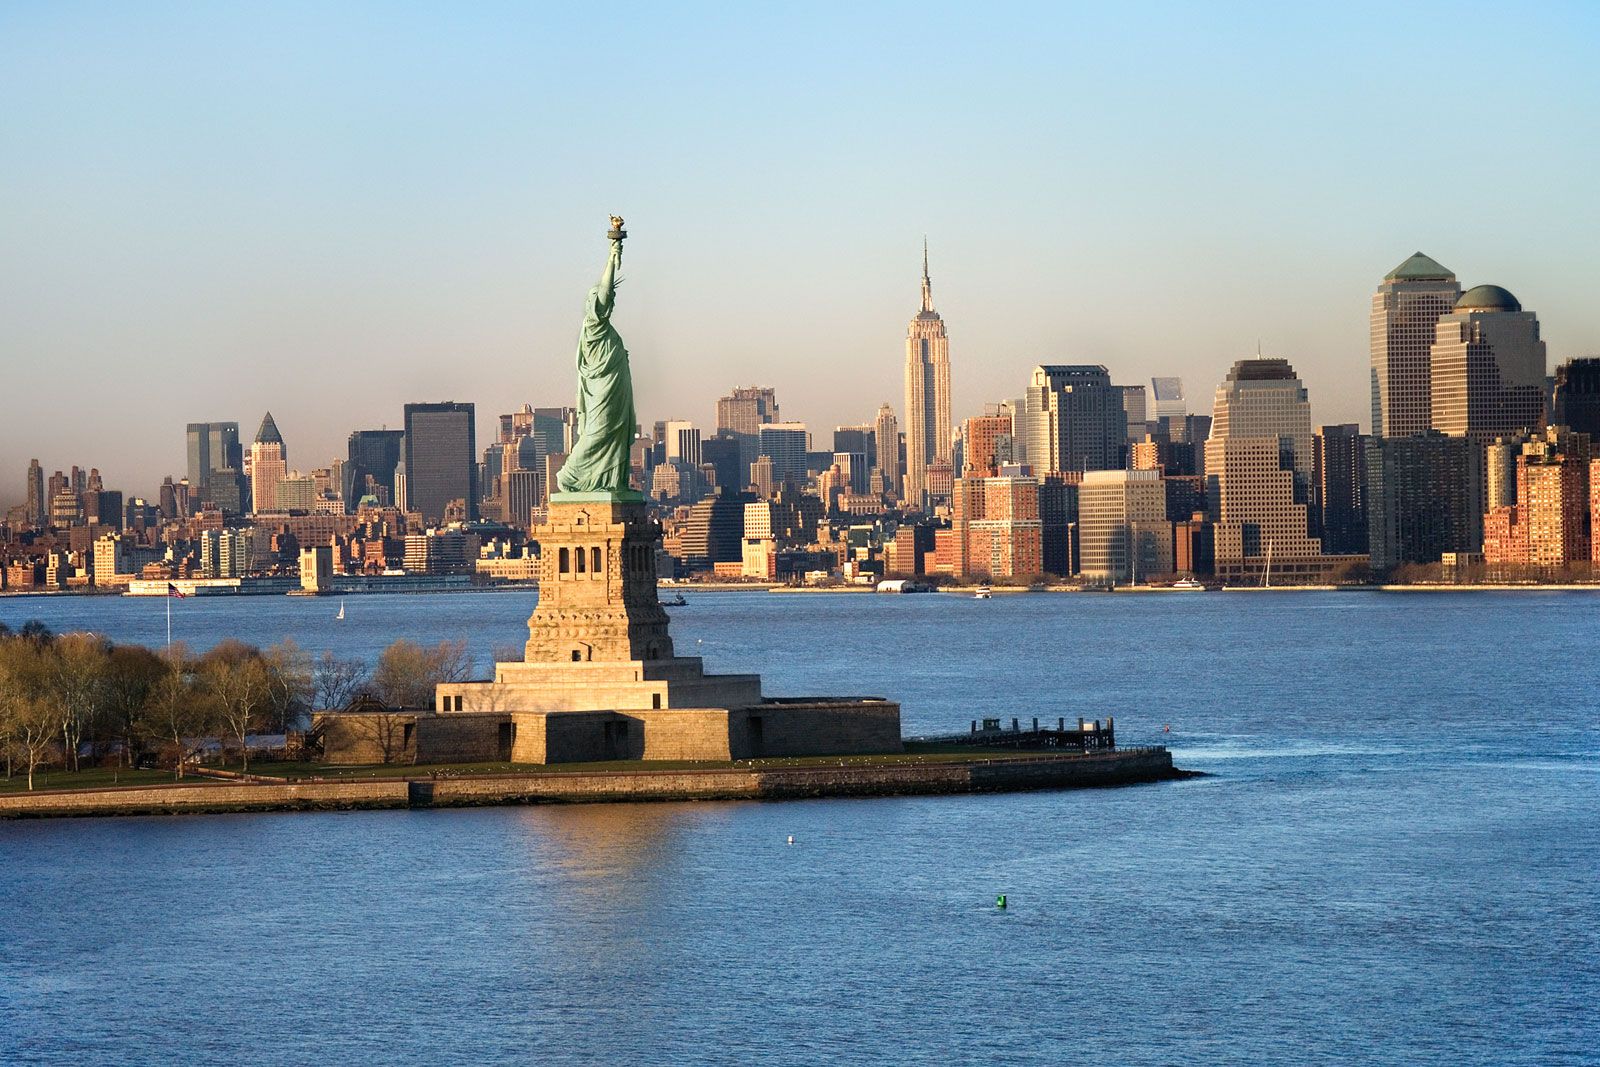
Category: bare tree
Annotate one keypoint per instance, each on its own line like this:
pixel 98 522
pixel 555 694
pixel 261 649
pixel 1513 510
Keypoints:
pixel 407 674
pixel 175 711
pixel 240 685
pixel 336 681
pixel 132 672
pixel 288 682
pixel 30 724
pixel 77 686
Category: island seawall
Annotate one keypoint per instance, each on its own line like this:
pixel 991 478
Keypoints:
pixel 911 778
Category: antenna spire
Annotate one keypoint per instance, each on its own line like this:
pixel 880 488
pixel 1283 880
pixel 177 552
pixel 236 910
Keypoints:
pixel 927 283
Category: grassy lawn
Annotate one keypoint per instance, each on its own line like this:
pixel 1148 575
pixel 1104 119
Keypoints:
pixel 90 778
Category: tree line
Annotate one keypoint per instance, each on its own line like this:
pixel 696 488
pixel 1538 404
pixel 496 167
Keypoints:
pixel 75 697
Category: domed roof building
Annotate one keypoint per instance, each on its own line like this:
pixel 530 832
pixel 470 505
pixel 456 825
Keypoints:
pixel 1488 366
pixel 1487 298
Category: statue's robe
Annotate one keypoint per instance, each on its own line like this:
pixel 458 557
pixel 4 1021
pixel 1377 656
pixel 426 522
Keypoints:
pixel 599 462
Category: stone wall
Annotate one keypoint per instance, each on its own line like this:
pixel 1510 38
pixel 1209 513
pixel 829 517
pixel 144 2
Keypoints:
pixel 818 728
pixel 919 777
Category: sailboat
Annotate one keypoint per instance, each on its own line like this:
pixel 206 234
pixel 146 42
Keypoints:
pixel 341 609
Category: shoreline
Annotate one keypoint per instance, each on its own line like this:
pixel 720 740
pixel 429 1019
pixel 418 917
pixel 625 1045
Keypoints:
pixel 912 777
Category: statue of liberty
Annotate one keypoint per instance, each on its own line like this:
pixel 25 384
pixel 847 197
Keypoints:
pixel 600 461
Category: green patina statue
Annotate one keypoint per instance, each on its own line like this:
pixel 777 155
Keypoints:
pixel 599 462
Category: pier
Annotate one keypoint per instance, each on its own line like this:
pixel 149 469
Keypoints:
pixel 1087 736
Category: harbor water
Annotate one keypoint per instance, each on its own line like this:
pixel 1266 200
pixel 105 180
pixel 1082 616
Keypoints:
pixel 1394 858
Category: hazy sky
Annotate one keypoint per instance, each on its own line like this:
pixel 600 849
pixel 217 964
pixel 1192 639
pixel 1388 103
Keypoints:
pixel 326 210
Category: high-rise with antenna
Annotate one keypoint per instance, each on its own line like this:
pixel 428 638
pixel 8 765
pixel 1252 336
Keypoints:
pixel 927 393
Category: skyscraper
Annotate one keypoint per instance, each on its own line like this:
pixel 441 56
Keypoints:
pixel 440 459
pixel 269 465
pixel 373 456
pixel 1339 488
pixel 1258 473
pixel 1169 399
pixel 38 503
pixel 1405 309
pixel 1424 498
pixel 1577 396
pixel 785 444
pixel 1073 420
pixel 742 413
pixel 1122 520
pixel 212 447
pixel 1488 367
pixel 886 433
pixel 986 445
pixel 683 442
pixel 927 393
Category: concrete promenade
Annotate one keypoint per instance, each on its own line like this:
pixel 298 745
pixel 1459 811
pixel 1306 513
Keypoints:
pixel 908 778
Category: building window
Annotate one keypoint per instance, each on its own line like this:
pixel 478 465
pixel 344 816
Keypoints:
pixel 566 560
pixel 594 560
pixel 580 560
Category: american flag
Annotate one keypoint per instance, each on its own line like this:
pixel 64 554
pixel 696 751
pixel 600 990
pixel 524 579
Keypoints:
pixel 173 590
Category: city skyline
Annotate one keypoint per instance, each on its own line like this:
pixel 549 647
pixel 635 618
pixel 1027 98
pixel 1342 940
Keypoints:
pixel 243 191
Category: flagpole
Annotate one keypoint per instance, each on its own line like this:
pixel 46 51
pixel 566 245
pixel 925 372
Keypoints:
pixel 169 624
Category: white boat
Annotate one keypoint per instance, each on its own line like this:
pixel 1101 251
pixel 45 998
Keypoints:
pixel 982 593
pixel 341 609
pixel 1187 583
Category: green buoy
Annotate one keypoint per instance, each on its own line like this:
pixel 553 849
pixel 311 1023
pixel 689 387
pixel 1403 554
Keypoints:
pixel 1000 901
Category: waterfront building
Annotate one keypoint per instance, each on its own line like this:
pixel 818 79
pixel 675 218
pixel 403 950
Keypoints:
pixel 785 444
pixel 886 434
pixel 440 552
pixel 1338 486
pixel 1576 399
pixel 516 425
pixel 1072 420
pixel 1058 523
pixel 228 552
pixel 927 394
pixel 714 532
pixel 1258 475
pixel 1500 471
pixel 761 479
pixel 995 519
pixel 986 445
pixel 1424 498
pixel 440 466
pixel 372 457
pixel 1487 367
pixel 269 465
pixel 1405 313
pixel 1549 525
pixel 1123 528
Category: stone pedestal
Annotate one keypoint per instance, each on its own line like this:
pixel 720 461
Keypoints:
pixel 597 583
pixel 600 682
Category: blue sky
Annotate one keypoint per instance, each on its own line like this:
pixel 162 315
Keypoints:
pixel 210 210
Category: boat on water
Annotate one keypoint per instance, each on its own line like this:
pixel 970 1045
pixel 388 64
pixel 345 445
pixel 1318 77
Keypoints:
pixel 1189 584
pixel 983 593
pixel 677 601
pixel 341 609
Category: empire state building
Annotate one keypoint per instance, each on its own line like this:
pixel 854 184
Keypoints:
pixel 927 393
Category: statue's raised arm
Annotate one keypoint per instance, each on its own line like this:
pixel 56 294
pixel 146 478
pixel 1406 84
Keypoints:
pixel 599 461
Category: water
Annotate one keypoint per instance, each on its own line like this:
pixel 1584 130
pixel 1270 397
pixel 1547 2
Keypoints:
pixel 1394 859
